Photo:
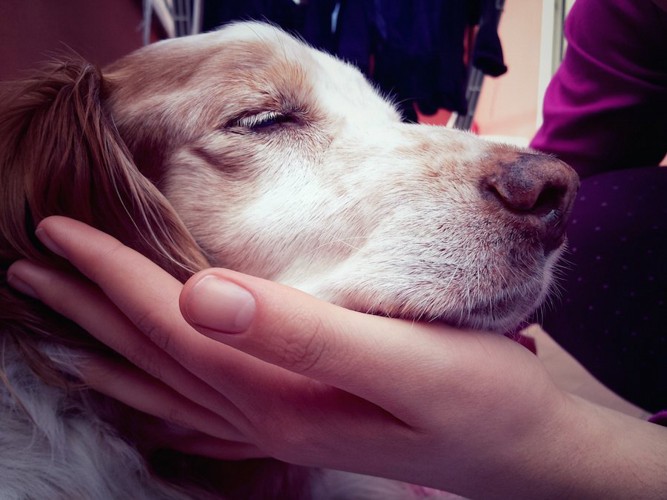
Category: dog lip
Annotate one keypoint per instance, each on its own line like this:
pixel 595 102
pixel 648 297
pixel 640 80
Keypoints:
pixel 509 331
pixel 465 320
pixel 500 314
pixel 555 244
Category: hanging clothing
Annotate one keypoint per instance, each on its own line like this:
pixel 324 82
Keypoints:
pixel 414 50
pixel 284 13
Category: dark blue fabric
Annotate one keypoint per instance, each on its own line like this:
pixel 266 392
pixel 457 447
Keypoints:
pixel 284 13
pixel 412 49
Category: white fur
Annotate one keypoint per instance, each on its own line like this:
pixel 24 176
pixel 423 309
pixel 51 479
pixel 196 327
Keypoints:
pixel 54 446
pixel 354 207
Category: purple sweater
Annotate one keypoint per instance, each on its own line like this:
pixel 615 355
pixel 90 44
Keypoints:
pixel 606 107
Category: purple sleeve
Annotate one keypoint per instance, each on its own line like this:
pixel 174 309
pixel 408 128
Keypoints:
pixel 659 418
pixel 606 107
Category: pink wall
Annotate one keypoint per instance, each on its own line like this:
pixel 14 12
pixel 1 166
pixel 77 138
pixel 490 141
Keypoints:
pixel 508 104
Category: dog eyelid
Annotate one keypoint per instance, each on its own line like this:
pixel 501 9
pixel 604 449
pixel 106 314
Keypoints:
pixel 262 120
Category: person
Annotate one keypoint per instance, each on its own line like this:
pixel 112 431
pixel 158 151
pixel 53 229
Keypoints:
pixel 604 114
pixel 467 412
pixel 604 109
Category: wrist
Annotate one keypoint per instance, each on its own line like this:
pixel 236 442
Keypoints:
pixel 573 448
pixel 591 451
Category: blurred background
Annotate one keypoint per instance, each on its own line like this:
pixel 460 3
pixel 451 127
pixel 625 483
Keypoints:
pixel 489 59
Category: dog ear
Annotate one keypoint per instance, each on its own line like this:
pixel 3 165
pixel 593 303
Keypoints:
pixel 60 154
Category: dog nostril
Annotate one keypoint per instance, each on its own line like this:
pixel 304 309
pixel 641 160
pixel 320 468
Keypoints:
pixel 548 201
pixel 528 198
pixel 539 191
pixel 548 198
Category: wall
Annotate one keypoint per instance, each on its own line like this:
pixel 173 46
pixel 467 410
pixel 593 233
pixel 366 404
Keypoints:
pixel 32 30
pixel 508 105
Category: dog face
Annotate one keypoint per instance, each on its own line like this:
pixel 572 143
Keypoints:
pixel 280 161
pixel 247 149
pixel 283 162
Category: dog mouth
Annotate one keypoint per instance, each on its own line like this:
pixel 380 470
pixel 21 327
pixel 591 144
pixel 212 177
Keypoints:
pixel 504 315
pixel 492 322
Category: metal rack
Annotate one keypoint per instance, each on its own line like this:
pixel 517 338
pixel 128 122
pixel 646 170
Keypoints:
pixel 177 17
pixel 474 88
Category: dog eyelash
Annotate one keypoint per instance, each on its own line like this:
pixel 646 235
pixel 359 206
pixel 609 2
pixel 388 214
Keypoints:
pixel 263 120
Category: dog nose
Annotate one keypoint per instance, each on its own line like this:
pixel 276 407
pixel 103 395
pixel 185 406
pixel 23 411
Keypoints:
pixel 538 190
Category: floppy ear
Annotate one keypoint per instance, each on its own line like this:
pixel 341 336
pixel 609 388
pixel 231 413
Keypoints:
pixel 60 153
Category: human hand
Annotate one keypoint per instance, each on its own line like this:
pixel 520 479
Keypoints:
pixel 257 369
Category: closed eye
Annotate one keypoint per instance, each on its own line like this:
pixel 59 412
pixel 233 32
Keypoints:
pixel 263 120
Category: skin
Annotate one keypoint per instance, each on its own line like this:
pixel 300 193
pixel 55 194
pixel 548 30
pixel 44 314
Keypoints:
pixel 252 368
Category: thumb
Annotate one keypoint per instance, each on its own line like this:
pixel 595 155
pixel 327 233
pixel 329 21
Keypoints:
pixel 352 351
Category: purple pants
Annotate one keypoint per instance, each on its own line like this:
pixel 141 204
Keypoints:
pixel 612 312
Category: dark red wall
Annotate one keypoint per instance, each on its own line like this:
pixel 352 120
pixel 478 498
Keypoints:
pixel 99 30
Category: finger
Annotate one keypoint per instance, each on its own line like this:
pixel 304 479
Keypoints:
pixel 220 449
pixel 138 390
pixel 111 265
pixel 91 310
pixel 148 297
pixel 283 409
pixel 380 359
pixel 151 434
pixel 83 303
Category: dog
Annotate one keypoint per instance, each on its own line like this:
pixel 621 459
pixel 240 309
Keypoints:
pixel 245 148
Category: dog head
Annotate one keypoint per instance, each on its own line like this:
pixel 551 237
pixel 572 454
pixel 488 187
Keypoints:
pixel 247 149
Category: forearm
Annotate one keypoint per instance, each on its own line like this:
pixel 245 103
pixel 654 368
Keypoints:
pixel 588 452
pixel 566 447
pixel 626 457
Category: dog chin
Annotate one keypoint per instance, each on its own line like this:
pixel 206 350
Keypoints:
pixel 491 323
pixel 504 314
pixel 509 321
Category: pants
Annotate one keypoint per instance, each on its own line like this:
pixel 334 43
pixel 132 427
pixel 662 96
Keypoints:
pixel 612 310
